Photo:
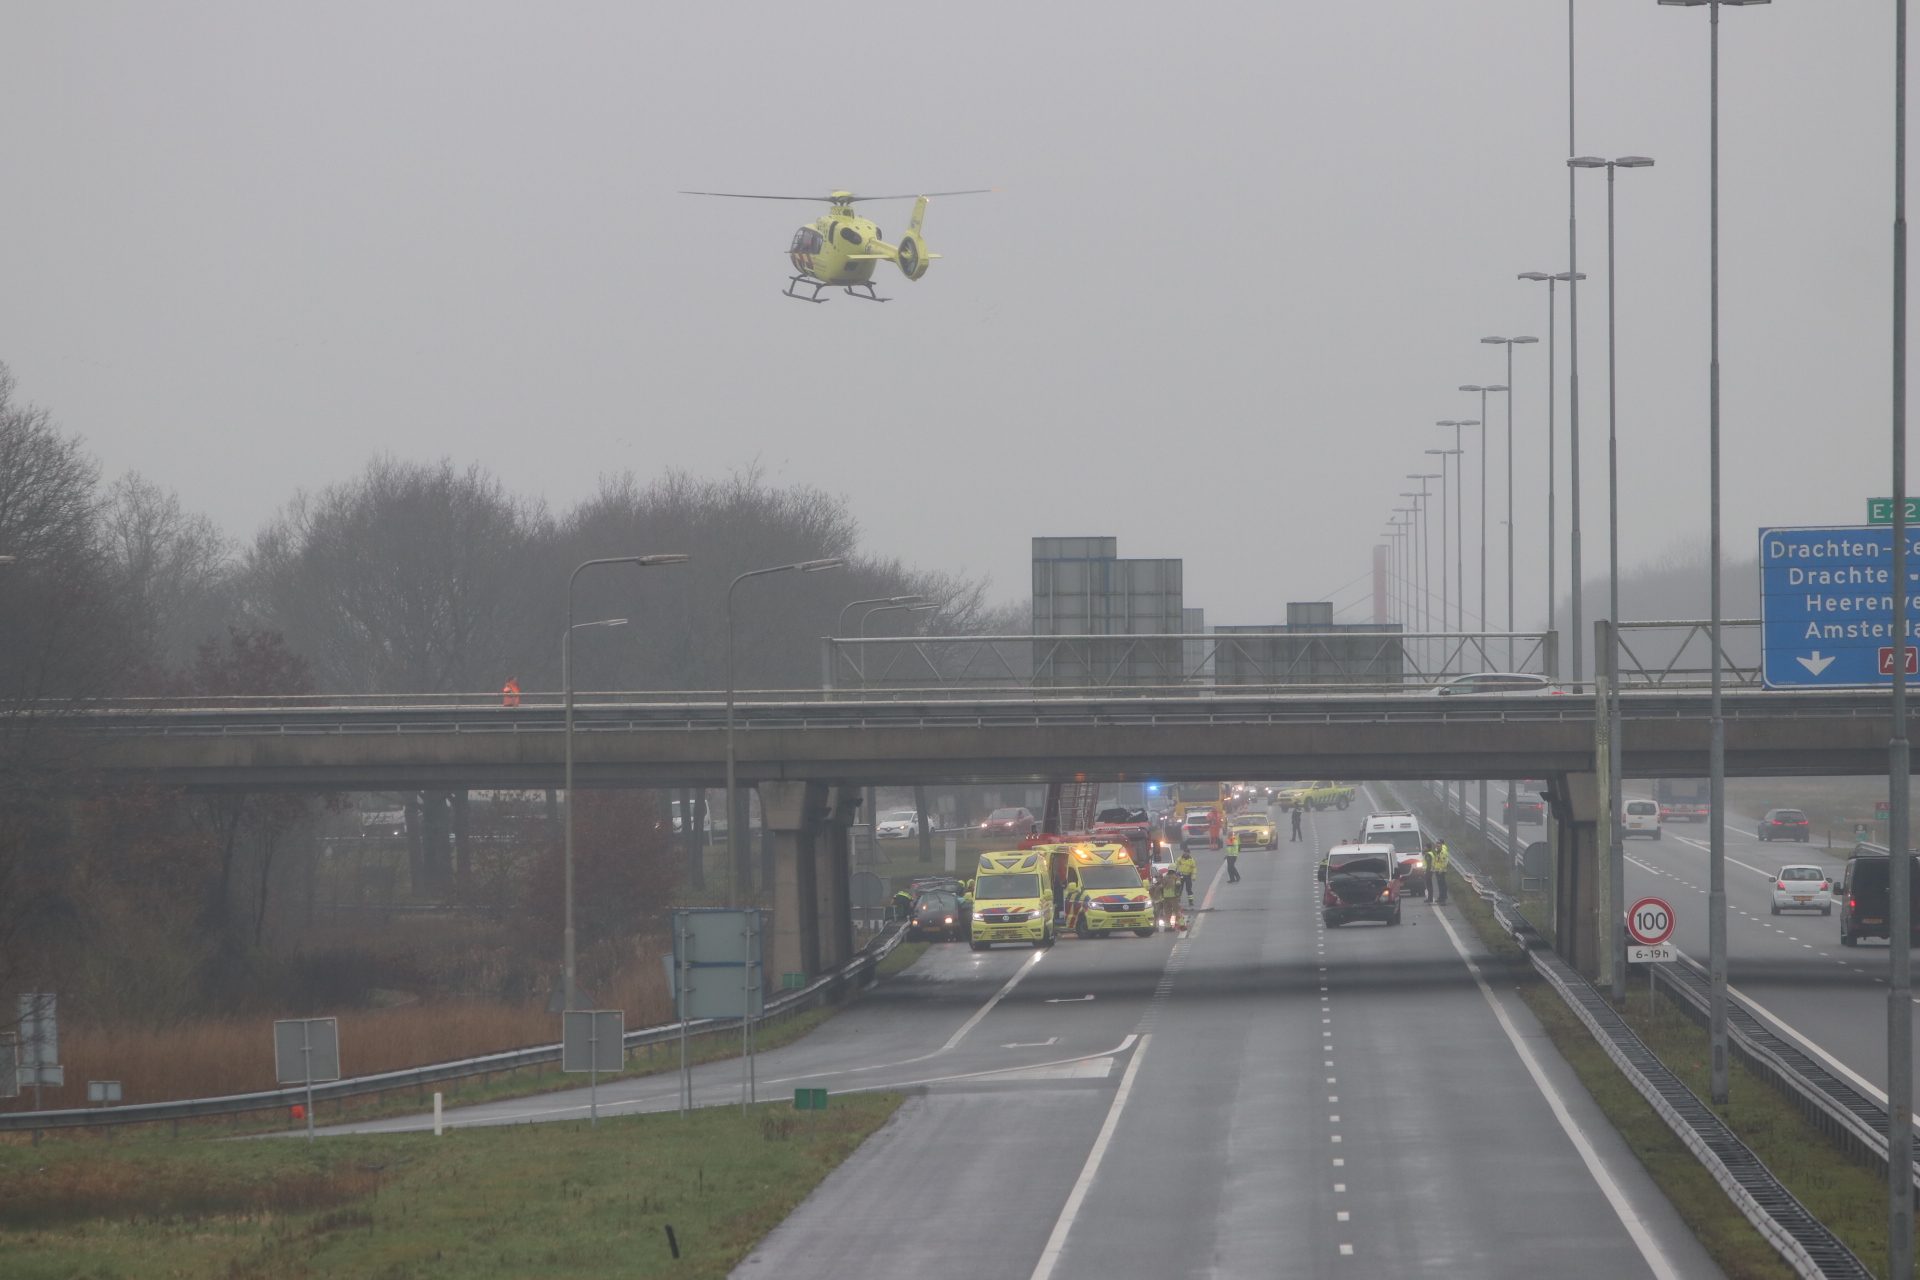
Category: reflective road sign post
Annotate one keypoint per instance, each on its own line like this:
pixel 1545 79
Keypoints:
pixel 306 1051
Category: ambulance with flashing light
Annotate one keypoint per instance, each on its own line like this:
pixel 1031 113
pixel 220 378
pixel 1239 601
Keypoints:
pixel 1104 892
pixel 1013 899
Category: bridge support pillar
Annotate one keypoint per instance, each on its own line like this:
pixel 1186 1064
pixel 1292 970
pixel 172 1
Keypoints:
pixel 1573 804
pixel 833 876
pixel 790 816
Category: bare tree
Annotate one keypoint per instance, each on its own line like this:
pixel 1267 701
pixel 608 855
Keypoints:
pixel 409 578
pixel 729 525
pixel 172 568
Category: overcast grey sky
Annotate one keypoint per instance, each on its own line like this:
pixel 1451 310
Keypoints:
pixel 1243 257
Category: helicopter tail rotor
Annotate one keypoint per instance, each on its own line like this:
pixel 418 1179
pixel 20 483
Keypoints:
pixel 912 255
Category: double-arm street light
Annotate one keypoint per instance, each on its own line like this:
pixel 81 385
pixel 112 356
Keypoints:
pixel 1485 623
pixel 572 993
pixel 1609 662
pixel 1717 725
pixel 1509 344
pixel 1426 549
pixel 1553 521
pixel 736 839
pixel 1459 527
pixel 840 628
pixel 891 608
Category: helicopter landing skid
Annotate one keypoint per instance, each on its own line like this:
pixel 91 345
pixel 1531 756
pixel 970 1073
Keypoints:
pixel 818 285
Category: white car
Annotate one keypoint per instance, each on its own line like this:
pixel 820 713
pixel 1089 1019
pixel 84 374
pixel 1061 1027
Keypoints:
pixel 1495 684
pixel 898 824
pixel 1642 818
pixel 1803 888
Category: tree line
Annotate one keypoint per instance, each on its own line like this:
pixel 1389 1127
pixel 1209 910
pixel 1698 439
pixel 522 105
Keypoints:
pixel 406 577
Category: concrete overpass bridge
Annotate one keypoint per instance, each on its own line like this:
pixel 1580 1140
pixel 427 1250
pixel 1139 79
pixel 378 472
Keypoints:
pixel 663 740
pixel 810 757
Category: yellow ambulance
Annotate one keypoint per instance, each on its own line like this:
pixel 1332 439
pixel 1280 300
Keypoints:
pixel 1103 892
pixel 1013 899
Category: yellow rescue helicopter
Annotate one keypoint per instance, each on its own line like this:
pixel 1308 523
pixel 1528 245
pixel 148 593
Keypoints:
pixel 841 247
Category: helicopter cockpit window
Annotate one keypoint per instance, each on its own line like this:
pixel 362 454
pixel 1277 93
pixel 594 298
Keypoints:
pixel 850 235
pixel 805 240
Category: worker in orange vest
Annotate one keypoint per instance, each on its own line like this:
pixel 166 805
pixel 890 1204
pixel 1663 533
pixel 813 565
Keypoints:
pixel 1213 828
pixel 510 693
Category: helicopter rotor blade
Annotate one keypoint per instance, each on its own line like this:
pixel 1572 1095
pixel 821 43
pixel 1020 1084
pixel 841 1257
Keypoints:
pixel 739 195
pixel 736 195
pixel 977 191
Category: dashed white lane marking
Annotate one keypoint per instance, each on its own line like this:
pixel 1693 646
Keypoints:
pixel 1346 1251
pixel 1342 1216
pixel 1642 1238
pixel 1050 1255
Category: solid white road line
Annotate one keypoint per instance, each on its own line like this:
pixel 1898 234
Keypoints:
pixel 1642 1238
pixel 987 1008
pixel 1069 1211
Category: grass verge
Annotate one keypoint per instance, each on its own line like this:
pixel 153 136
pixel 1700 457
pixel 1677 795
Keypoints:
pixel 524 1082
pixel 553 1200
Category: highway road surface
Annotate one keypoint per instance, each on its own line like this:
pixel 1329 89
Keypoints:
pixel 1261 1097
pixel 1790 968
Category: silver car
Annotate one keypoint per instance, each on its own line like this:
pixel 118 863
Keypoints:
pixel 1803 888
pixel 1495 684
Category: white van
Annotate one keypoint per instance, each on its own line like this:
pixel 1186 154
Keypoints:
pixel 1401 830
pixel 1642 818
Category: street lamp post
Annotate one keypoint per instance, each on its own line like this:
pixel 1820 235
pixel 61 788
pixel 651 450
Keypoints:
pixel 1609 662
pixel 1899 784
pixel 1485 623
pixel 566 684
pixel 1717 730
pixel 1553 468
pixel 734 845
pixel 1426 554
pixel 1457 591
pixel 1509 344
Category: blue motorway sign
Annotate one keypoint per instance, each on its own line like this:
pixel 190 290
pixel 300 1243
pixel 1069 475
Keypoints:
pixel 1826 606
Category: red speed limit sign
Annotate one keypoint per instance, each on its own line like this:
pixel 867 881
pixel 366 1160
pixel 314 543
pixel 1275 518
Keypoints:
pixel 1650 922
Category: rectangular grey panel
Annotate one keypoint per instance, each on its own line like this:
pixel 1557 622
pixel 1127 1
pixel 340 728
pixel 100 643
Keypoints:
pixel 593 1040
pixel 303 1045
pixel 719 963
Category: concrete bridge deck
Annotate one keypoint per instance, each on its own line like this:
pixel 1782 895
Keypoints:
pixel 1109 738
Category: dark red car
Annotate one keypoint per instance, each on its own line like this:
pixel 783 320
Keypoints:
pixel 1015 823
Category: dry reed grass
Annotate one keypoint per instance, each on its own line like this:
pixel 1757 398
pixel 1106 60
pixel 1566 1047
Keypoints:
pixel 73 1191
pixel 217 1057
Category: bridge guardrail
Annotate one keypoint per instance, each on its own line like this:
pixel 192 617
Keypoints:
pixel 847 979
